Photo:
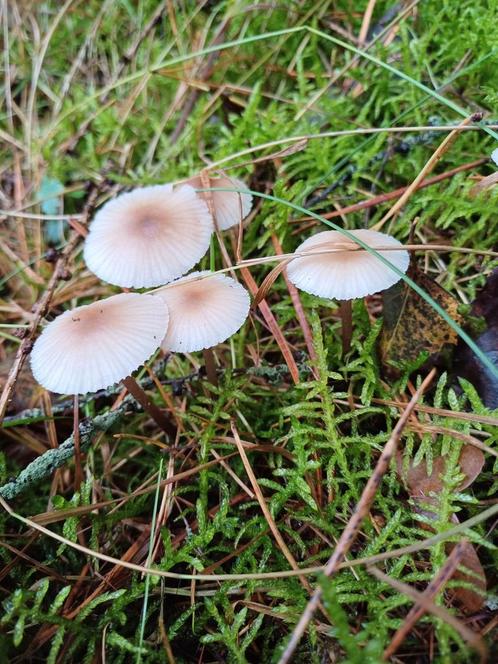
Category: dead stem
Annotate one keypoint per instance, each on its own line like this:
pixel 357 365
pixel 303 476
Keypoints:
pixel 150 407
pixel 434 587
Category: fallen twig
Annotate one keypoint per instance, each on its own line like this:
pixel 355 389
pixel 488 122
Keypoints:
pixel 427 605
pixel 418 610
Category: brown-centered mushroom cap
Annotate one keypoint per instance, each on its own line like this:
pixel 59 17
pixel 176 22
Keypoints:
pixel 96 345
pixel 347 271
pixel 230 207
pixel 148 236
pixel 203 311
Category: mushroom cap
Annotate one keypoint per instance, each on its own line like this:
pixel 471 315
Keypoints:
pixel 93 346
pixel 494 156
pixel 347 274
pixel 203 312
pixel 230 207
pixel 148 236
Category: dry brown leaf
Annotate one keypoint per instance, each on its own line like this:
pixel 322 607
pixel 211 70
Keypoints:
pixel 470 600
pixel 424 489
pixel 411 326
pixel 419 483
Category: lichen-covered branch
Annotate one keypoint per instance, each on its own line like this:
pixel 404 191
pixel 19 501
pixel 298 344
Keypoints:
pixel 47 463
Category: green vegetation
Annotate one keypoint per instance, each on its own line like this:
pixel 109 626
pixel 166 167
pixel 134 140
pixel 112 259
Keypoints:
pixel 101 96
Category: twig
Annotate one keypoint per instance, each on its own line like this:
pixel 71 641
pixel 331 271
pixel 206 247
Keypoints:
pixel 352 528
pixel 275 373
pixel 418 610
pixel 365 25
pixel 44 465
pixel 429 166
pixel 471 637
pixel 396 193
pixel 253 576
pixel 296 301
pixel 264 507
pixel 273 325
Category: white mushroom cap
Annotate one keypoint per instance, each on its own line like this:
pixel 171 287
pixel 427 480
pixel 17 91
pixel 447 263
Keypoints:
pixel 148 236
pixel 230 207
pixel 350 273
pixel 494 156
pixel 96 345
pixel 203 312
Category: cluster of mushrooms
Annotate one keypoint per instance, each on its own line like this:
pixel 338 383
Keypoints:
pixel 151 237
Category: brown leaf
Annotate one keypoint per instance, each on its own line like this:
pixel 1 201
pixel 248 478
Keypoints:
pixel 424 489
pixel 420 484
pixel 470 600
pixel 411 325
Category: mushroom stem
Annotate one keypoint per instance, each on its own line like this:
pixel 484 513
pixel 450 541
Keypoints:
pixel 212 376
pixel 347 325
pixel 78 471
pixel 156 413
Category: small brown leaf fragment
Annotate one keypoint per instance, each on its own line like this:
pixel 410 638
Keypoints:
pixel 484 184
pixel 424 490
pixel 411 326
pixel 420 484
pixel 468 599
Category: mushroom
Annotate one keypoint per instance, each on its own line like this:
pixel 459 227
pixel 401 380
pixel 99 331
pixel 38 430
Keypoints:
pixel 205 309
pixel 148 236
pixel 339 268
pixel 96 345
pixel 230 207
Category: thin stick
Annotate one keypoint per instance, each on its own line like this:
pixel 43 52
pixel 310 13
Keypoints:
pixel 120 562
pixel 365 25
pixel 78 471
pixel 210 364
pixel 395 193
pixel 429 166
pixel 418 610
pixel 301 316
pixel 471 637
pixel 156 413
pixel 346 312
pixel 264 507
pixel 271 321
pixel 352 528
